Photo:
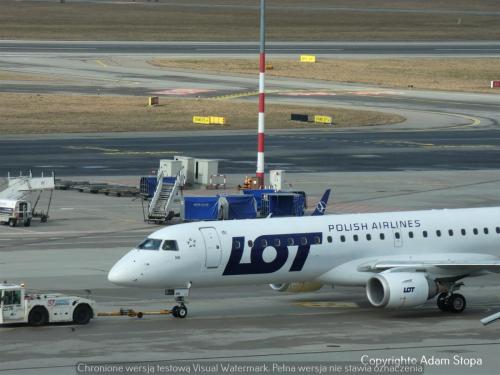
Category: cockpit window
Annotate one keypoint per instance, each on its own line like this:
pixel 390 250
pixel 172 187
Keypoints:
pixel 170 245
pixel 150 244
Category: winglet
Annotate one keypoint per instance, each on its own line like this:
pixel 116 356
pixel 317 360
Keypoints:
pixel 321 206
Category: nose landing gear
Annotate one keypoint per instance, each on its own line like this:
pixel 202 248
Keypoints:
pixel 180 310
pixel 451 301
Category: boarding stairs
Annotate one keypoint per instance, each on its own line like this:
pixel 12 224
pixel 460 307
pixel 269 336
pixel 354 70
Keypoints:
pixel 22 187
pixel 166 195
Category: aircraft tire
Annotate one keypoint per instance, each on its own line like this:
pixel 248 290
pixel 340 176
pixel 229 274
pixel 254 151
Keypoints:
pixel 442 302
pixel 175 311
pixel 182 312
pixel 457 303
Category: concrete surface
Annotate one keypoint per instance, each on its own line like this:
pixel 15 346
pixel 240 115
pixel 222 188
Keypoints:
pixel 87 233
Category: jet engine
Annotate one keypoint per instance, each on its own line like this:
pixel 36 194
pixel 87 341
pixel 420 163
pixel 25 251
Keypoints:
pixel 400 289
pixel 297 287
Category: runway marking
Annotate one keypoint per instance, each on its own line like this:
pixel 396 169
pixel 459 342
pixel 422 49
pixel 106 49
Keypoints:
pixel 475 122
pixel 116 152
pixel 329 304
pixel 182 92
pixel 101 63
pixel 309 93
pixel 236 95
pixel 143 153
pixel 92 148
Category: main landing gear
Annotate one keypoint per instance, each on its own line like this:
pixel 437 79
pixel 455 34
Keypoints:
pixel 180 310
pixel 451 301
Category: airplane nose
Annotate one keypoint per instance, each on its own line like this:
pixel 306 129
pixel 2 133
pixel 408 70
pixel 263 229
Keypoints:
pixel 118 275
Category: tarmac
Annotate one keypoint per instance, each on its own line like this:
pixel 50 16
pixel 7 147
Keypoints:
pixel 87 233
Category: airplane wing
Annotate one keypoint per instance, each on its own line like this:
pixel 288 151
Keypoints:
pixel 454 263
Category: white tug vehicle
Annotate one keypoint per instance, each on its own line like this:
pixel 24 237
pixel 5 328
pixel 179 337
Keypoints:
pixel 37 309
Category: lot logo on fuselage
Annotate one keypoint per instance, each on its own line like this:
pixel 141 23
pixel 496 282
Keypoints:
pixel 281 243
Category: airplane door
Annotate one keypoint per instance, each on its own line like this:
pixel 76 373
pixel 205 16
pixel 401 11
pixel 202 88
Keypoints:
pixel 213 251
pixel 398 238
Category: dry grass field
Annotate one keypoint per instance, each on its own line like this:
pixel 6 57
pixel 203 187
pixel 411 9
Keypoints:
pixel 35 113
pixel 15 76
pixel 237 20
pixel 454 74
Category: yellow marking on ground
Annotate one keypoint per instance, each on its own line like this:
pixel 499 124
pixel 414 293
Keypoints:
pixel 101 63
pixel 242 95
pixel 115 151
pixel 142 153
pixel 93 148
pixel 329 304
pixel 475 122
pixel 408 143
pixel 471 147
pixel 236 95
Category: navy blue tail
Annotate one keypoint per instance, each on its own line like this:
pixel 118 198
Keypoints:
pixel 321 206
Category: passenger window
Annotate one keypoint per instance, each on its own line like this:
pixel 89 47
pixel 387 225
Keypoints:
pixel 486 231
pixel 368 237
pixel 290 241
pixel 263 243
pixel 424 233
pixel 250 243
pixel 172 245
pixel 397 235
pixel 382 236
pixel 342 238
pixel 410 234
pixel 150 244
pixel 355 237
pixel 303 241
pixel 498 229
pixel 317 240
pixel 463 232
pixel 450 232
pixel 277 242
pixel 438 233
pixel 236 245
pixel 475 231
pixel 329 238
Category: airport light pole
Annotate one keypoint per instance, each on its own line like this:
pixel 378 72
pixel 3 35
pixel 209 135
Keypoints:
pixel 262 97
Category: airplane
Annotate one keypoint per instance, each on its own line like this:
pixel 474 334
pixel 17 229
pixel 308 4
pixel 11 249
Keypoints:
pixel 403 259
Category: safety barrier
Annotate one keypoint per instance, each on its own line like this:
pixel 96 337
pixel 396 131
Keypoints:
pixel 217 181
pixel 153 100
pixel 299 117
pixel 318 119
pixel 307 58
pixel 209 120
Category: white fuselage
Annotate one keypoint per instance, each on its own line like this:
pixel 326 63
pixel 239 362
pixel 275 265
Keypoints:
pixel 331 249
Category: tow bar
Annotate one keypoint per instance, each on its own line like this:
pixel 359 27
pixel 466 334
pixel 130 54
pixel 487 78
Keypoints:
pixel 134 314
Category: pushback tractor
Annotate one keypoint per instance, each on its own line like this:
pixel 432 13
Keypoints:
pixel 37 309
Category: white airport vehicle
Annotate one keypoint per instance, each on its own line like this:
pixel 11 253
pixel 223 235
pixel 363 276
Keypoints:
pixel 37 309
pixel 15 212
pixel 402 259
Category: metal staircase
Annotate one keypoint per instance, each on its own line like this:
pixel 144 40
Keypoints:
pixel 161 205
pixel 23 186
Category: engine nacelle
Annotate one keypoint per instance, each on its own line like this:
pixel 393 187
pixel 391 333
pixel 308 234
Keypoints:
pixel 400 289
pixel 298 287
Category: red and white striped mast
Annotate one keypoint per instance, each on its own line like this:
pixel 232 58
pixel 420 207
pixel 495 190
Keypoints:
pixel 262 98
